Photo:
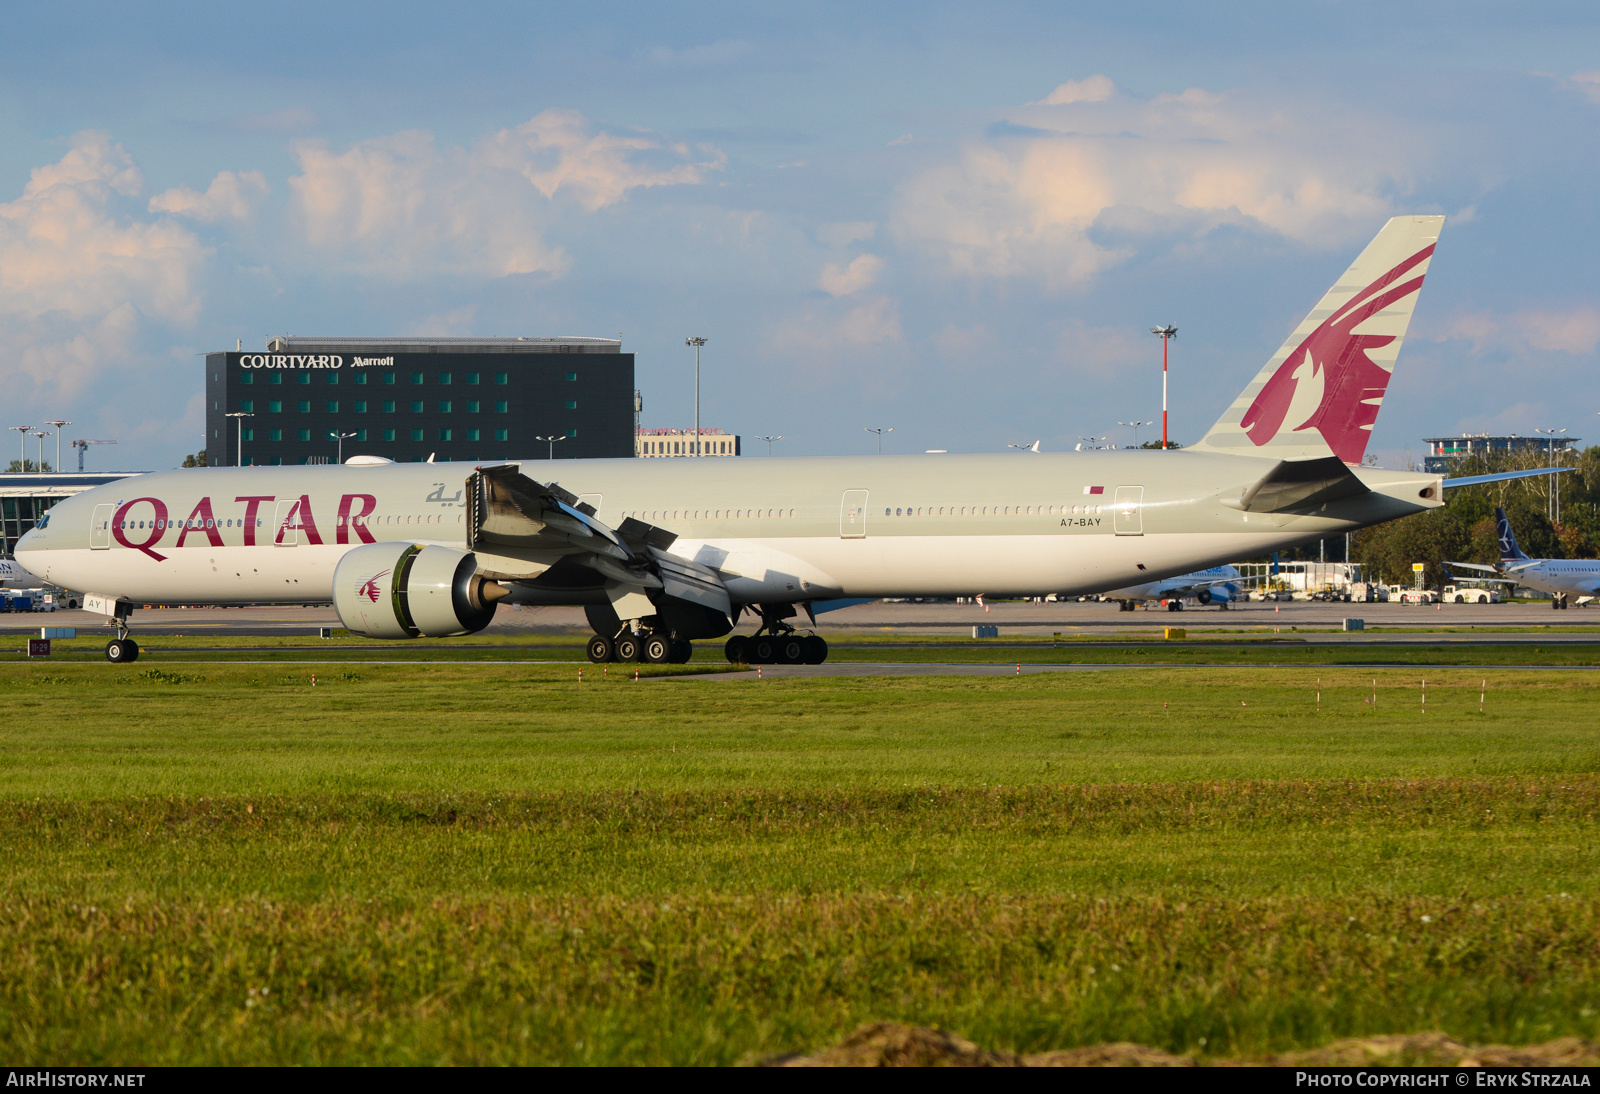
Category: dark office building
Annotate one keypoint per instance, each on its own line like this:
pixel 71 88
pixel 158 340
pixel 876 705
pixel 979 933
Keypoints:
pixel 411 398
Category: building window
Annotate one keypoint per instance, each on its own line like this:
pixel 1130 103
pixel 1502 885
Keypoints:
pixel 274 406
pixel 501 406
pixel 416 377
pixel 333 406
pixel 275 461
pixel 472 406
pixel 416 435
pixel 304 406
pixel 388 377
pixel 361 434
pixel 333 377
pixel 501 378
pixel 472 434
pixel 360 406
pixel 444 377
pixel 388 434
pixel 572 404
pixel 388 406
pixel 472 377
pixel 572 375
pixel 249 434
pixel 444 406
pixel 416 406
pixel 359 378
pixel 246 378
pixel 502 434
pixel 247 405
pixel 302 377
pixel 274 377
pixel 572 432
pixel 274 434
pixel 305 434
pixel 444 434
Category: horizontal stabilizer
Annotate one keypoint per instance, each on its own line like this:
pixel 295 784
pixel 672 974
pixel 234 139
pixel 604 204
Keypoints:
pixel 1299 484
pixel 1505 476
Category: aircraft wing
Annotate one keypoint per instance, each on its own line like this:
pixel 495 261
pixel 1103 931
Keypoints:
pixel 1471 566
pixel 1505 476
pixel 522 529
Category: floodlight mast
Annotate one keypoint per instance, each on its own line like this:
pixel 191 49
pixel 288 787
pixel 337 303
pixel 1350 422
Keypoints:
pixel 696 342
pixel 769 441
pixel 880 433
pixel 341 438
pixel 58 423
pixel 1166 334
pixel 23 429
pixel 238 455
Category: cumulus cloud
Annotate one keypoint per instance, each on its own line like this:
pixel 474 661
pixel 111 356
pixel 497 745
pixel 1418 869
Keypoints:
pixel 77 278
pixel 1575 331
pixel 399 205
pixel 1096 89
pixel 1057 188
pixel 231 196
pixel 1588 83
pixel 837 280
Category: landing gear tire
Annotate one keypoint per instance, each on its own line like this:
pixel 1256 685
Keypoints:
pixel 120 651
pixel 629 648
pixel 816 650
pixel 682 651
pixel 763 651
pixel 600 650
pixel 737 650
pixel 792 651
pixel 658 649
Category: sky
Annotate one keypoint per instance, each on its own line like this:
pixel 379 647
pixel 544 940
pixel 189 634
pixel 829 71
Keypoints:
pixel 955 221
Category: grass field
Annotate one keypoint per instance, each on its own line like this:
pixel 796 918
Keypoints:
pixel 491 863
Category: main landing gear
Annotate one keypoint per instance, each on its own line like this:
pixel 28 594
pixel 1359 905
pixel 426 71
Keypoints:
pixel 1559 601
pixel 654 649
pixel 779 645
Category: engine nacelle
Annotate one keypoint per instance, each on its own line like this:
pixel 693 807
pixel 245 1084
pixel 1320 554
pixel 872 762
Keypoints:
pixel 403 590
pixel 1216 594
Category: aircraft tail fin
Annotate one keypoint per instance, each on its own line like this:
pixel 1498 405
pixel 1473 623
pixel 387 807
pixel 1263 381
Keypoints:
pixel 1509 551
pixel 1319 394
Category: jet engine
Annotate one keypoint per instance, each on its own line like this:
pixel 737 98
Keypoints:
pixel 1216 594
pixel 404 590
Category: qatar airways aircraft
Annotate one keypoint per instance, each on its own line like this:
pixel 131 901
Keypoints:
pixel 661 552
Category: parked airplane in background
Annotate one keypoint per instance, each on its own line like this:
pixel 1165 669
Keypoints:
pixel 13 576
pixel 1562 578
pixel 661 552
pixel 1220 585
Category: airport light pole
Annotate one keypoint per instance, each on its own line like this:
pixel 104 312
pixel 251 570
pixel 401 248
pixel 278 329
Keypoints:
pixel 1135 427
pixel 341 438
pixel 551 441
pixel 769 441
pixel 1166 334
pixel 880 433
pixel 238 455
pixel 41 434
pixel 1092 442
pixel 58 423
pixel 23 429
pixel 696 342
pixel 1552 505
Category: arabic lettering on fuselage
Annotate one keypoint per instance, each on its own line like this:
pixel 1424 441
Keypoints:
pixel 438 496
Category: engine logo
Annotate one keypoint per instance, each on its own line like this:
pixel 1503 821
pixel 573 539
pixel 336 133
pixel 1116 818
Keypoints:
pixel 370 589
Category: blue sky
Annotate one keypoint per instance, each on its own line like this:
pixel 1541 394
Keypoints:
pixel 958 221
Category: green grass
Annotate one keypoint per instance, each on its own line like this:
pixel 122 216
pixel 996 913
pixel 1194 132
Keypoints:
pixel 489 863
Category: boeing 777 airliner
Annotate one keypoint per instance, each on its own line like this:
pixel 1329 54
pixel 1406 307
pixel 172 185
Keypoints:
pixel 661 552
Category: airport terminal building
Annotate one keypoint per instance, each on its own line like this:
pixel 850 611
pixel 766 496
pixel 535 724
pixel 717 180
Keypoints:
pixel 409 399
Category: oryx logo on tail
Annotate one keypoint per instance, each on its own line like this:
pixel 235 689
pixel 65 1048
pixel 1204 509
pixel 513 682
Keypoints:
pixel 1330 383
pixel 1319 394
